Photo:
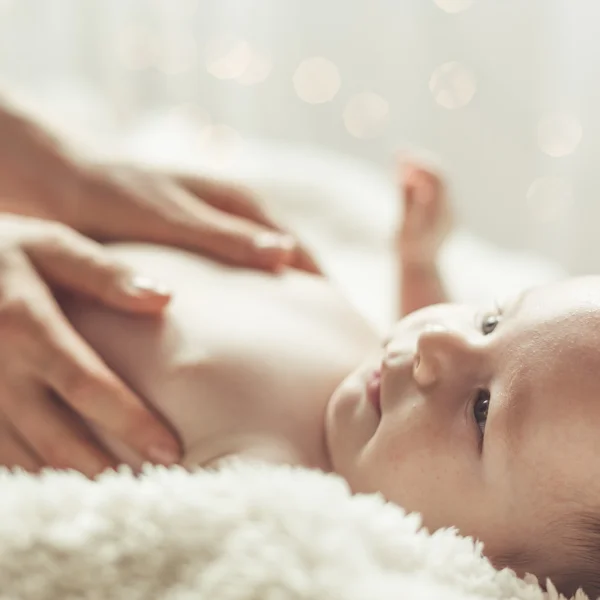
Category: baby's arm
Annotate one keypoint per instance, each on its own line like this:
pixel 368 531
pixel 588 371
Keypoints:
pixel 426 223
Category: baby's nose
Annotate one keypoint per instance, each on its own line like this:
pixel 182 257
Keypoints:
pixel 398 356
pixel 436 338
pixel 446 354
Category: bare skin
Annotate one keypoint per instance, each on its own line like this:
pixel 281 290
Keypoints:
pixel 243 362
pixel 484 419
pixel 56 204
pixel 427 222
pixel 250 342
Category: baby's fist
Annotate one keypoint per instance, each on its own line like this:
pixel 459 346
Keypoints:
pixel 427 216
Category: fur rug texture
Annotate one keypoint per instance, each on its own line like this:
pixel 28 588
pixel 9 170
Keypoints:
pixel 245 532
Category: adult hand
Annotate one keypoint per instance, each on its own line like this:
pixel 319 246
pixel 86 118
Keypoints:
pixel 51 381
pixel 123 202
pixel 40 177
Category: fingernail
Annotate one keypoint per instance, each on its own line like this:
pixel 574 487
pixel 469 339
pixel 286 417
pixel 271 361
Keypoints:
pixel 274 241
pixel 140 285
pixel 164 455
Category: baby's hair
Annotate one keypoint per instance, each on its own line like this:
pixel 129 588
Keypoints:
pixel 579 557
pixel 582 567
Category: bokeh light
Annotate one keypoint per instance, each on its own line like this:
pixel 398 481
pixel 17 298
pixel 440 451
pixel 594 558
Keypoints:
pixel 559 134
pixel 549 199
pixel 452 85
pixel 453 6
pixel 365 114
pixel 178 55
pixel 317 80
pixel 257 70
pixel 135 48
pixel 228 57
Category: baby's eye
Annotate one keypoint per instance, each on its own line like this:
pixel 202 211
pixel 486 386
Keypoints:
pixel 489 323
pixel 480 409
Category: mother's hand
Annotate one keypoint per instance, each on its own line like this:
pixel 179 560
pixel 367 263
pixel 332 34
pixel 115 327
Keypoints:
pixel 41 177
pixel 51 381
pixel 123 202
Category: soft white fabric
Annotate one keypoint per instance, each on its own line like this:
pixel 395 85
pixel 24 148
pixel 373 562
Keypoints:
pixel 248 532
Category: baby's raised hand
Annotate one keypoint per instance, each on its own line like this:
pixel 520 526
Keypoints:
pixel 427 218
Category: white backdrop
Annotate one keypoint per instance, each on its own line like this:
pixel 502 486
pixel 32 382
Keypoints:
pixel 506 91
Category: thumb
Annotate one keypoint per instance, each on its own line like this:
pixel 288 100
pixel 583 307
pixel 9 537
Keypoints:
pixel 71 261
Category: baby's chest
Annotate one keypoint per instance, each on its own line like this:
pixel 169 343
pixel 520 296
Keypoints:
pixel 267 369
pixel 244 376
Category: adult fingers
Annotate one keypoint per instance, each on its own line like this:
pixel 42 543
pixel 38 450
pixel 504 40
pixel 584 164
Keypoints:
pixel 242 203
pixel 56 356
pixel 14 452
pixel 227 198
pixel 67 259
pixel 199 226
pixel 84 382
pixel 304 261
pixel 55 435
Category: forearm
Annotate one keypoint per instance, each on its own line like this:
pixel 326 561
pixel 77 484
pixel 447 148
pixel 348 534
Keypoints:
pixel 21 131
pixel 420 285
pixel 37 172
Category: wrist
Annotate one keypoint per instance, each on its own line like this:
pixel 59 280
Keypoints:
pixel 416 256
pixel 38 174
pixel 420 269
pixel 78 213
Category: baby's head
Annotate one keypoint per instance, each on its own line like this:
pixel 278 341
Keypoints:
pixel 490 422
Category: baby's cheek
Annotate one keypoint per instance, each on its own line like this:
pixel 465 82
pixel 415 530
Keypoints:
pixel 413 468
pixel 411 437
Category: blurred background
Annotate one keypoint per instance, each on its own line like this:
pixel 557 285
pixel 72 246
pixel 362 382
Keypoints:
pixel 504 91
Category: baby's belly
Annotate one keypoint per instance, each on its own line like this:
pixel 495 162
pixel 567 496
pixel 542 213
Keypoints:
pixel 238 355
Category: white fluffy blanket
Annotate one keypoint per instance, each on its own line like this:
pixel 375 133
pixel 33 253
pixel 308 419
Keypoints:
pixel 246 532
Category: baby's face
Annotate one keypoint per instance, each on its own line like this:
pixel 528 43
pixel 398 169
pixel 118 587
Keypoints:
pixel 488 421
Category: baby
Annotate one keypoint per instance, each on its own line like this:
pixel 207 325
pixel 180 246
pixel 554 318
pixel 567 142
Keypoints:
pixel 486 420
